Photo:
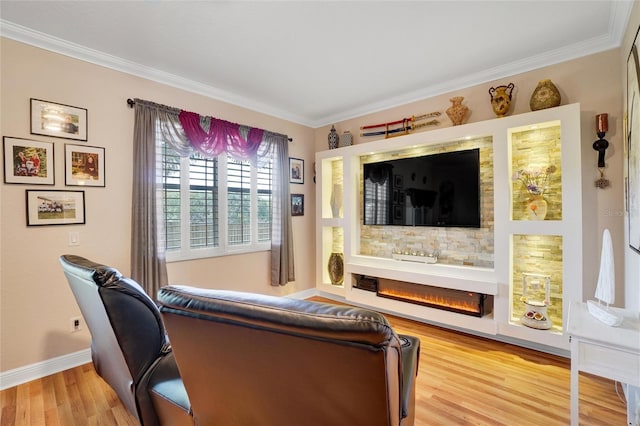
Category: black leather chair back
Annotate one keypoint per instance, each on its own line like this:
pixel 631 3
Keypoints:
pixel 128 336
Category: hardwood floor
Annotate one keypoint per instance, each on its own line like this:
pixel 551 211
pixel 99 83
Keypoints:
pixel 462 380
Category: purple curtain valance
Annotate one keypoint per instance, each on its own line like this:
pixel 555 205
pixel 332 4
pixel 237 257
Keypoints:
pixel 240 142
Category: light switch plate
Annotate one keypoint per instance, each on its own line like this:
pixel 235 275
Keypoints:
pixel 74 238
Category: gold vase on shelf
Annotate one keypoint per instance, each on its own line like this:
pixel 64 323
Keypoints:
pixel 336 268
pixel 546 95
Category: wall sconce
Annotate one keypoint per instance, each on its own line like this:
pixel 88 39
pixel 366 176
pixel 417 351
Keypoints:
pixel 601 145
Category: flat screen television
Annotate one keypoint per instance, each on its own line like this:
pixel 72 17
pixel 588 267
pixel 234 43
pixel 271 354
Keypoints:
pixel 440 189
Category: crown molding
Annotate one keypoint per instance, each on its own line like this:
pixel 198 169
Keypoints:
pixel 83 53
pixel 620 13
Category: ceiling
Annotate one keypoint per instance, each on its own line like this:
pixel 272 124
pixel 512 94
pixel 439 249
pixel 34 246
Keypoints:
pixel 319 62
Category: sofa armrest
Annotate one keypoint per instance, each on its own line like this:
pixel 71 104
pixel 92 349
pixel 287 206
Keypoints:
pixel 410 359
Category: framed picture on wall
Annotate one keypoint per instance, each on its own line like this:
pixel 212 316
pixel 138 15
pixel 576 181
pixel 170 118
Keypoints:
pixel 55 207
pixel 28 161
pixel 58 120
pixel 296 170
pixel 633 145
pixel 297 204
pixel 83 165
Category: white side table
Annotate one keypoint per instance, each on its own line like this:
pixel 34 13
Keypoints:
pixel 611 352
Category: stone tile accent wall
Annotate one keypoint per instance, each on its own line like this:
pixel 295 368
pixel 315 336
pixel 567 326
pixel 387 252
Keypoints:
pixel 337 234
pixel 537 150
pixel 337 175
pixel 538 254
pixel 457 246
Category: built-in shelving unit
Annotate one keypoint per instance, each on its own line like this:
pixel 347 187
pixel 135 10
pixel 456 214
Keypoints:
pixel 493 259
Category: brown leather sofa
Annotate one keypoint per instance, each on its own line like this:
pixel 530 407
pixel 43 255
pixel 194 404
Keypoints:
pixel 249 359
pixel 129 346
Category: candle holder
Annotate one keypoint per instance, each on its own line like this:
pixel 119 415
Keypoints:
pixel 601 145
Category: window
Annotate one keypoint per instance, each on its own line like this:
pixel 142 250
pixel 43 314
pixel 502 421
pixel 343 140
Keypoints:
pixel 213 207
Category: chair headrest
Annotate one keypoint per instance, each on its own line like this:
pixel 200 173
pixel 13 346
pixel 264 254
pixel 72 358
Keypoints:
pixel 319 320
pixel 87 269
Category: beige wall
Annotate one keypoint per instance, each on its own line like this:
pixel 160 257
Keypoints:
pixel 592 81
pixel 35 301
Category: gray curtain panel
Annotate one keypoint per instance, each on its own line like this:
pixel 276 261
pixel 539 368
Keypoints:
pixel 282 264
pixel 148 264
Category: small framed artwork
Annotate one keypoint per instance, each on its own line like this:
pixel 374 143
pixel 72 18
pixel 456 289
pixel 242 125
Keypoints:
pixel 28 161
pixel 58 120
pixel 83 165
pixel 297 204
pixel 296 170
pixel 55 207
pixel 398 181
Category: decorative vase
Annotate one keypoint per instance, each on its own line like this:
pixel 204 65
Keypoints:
pixel 545 95
pixel 346 139
pixel 501 99
pixel 336 200
pixel 333 138
pixel 457 111
pixel 537 208
pixel 336 268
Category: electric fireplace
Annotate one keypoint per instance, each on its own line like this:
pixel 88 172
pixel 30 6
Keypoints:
pixel 459 301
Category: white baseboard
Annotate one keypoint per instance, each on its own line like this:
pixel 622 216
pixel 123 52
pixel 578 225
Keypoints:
pixel 38 370
pixel 304 294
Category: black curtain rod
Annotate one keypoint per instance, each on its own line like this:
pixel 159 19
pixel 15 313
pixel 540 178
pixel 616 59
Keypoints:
pixel 131 103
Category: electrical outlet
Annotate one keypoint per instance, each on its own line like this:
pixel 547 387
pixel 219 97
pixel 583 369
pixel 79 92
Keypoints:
pixel 76 324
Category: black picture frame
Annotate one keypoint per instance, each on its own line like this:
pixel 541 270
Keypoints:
pixel 297 204
pixel 84 165
pixel 55 207
pixel 28 162
pixel 296 170
pixel 58 120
